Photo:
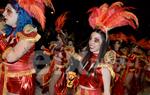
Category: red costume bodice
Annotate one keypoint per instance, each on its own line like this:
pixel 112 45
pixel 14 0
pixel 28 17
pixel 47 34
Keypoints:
pixel 23 64
pixel 93 79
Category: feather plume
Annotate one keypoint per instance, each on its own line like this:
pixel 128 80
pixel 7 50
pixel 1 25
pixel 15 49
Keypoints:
pixel 49 4
pixel 108 17
pixel 97 14
pixel 38 15
pixel 117 6
pixel 60 21
pixel 36 8
pixel 121 19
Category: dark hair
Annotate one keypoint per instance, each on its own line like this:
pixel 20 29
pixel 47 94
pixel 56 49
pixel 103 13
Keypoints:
pixel 112 44
pixel 103 47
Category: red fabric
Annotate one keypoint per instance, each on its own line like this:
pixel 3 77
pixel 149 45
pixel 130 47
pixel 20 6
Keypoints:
pixel 92 80
pixel 21 85
pixel 108 17
pixel 32 34
pixel 60 86
pixel 2 80
pixel 23 64
pixel 47 76
pixel 59 23
pixel 92 61
pixel 135 86
pixel 118 88
pixel 3 45
pixel 82 91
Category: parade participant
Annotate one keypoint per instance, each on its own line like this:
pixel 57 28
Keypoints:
pixel 134 70
pixel 18 45
pixel 95 73
pixel 53 76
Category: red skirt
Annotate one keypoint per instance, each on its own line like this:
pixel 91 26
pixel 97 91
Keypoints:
pixel 21 85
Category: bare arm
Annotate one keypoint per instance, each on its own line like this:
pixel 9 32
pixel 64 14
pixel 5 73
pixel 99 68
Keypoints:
pixel 106 76
pixel 18 51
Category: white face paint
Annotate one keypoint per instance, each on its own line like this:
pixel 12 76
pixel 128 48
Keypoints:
pixel 95 42
pixel 10 15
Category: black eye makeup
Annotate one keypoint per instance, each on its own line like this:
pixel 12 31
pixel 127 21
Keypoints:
pixel 8 10
pixel 96 40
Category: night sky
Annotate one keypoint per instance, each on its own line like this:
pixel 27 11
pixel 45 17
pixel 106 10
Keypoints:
pixel 77 22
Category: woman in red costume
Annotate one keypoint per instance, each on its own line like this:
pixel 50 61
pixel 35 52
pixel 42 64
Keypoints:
pixel 53 76
pixel 94 77
pixel 17 46
pixel 118 87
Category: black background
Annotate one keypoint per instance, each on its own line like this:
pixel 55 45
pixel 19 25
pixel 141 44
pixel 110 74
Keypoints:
pixel 77 22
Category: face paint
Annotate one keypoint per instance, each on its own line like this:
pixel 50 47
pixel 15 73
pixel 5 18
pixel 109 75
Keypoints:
pixel 10 15
pixel 95 42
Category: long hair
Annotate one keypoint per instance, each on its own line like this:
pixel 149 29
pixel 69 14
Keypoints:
pixel 102 50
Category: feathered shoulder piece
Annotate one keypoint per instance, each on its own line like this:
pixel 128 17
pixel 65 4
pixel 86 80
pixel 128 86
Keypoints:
pixel 108 17
pixel 35 8
pixel 60 21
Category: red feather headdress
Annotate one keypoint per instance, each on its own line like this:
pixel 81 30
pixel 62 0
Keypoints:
pixel 60 21
pixel 36 8
pixel 108 17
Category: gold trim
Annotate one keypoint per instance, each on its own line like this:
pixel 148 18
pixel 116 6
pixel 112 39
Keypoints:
pixel 5 81
pixel 35 39
pixel 61 66
pixel 110 57
pixel 5 53
pixel 70 79
pixel 72 73
pixel 31 39
pixel 70 49
pixel 20 73
pixel 109 68
pixel 4 72
pixel 29 28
